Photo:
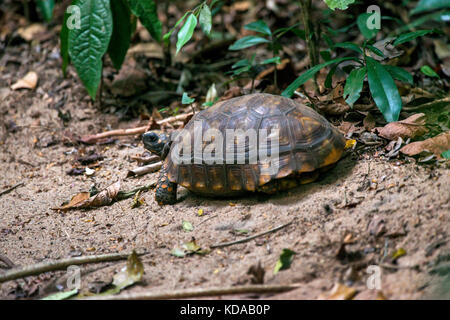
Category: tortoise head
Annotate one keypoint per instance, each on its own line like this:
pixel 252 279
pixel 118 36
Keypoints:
pixel 157 142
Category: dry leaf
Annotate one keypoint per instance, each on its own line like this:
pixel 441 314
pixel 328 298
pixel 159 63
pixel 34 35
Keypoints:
pixel 28 33
pixel 82 200
pixel 28 82
pixel 436 145
pixel 369 122
pixel 339 292
pixel 412 127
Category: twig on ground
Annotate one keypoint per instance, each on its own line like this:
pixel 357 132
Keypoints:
pixel 6 261
pixel 139 171
pixel 12 188
pixel 59 265
pixel 128 194
pixel 146 160
pixel 89 139
pixel 198 292
pixel 434 103
pixel 226 244
pixel 207 219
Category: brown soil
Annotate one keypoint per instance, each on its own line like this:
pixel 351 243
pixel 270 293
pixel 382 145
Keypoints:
pixel 378 206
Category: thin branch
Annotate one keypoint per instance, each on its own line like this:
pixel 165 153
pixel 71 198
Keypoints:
pixel 6 261
pixel 89 139
pixel 12 188
pixel 139 171
pixel 198 292
pixel 226 244
pixel 42 267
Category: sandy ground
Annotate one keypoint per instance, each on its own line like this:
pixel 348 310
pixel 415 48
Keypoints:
pixel 376 206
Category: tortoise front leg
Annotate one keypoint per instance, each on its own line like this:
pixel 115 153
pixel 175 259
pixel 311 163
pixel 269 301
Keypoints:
pixel 166 191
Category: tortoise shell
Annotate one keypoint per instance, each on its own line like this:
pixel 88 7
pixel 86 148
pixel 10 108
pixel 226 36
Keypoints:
pixel 307 142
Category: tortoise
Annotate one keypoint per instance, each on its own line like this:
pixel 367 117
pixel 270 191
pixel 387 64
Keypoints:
pixel 307 145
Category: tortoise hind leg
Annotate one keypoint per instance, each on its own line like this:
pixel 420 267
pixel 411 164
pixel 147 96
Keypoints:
pixel 289 182
pixel 166 191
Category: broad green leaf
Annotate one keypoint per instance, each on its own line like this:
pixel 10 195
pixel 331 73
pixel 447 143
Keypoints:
pixel 362 25
pixel 428 5
pixel 410 36
pixel 354 85
pixel 186 31
pixel 275 60
pixel 121 36
pixel 205 19
pixel 187 226
pixel 339 4
pixel 168 34
pixel 375 50
pixel 285 260
pixel 89 43
pixel 146 11
pixel 186 100
pixel 329 79
pixel 46 8
pixel 399 73
pixel 246 42
pixel 446 154
pixel 289 91
pixel 241 63
pixel 259 26
pixel 64 38
pixel 61 295
pixel 426 70
pixel 383 89
pixel 349 46
pixel 238 71
pixel 326 55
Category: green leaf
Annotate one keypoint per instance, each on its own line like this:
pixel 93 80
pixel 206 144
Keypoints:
pixel 326 55
pixel 46 8
pixel 354 85
pixel 246 42
pixel 89 43
pixel 399 73
pixel 238 71
pixel 61 295
pixel 339 4
pixel 146 11
pixel 426 70
pixel 121 36
pixel 168 34
pixel 428 5
pixel 187 226
pixel 186 31
pixel 329 79
pixel 259 26
pixel 375 50
pixel 285 260
pixel 241 63
pixel 410 36
pixel 275 60
pixel 362 25
pixel 383 89
pixel 289 91
pixel 348 45
pixel 64 38
pixel 205 19
pixel 446 154
pixel 186 100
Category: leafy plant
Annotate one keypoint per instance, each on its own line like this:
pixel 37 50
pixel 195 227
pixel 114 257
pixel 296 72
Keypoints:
pixel 104 26
pixel 46 8
pixel 199 15
pixel 380 77
pixel 265 35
